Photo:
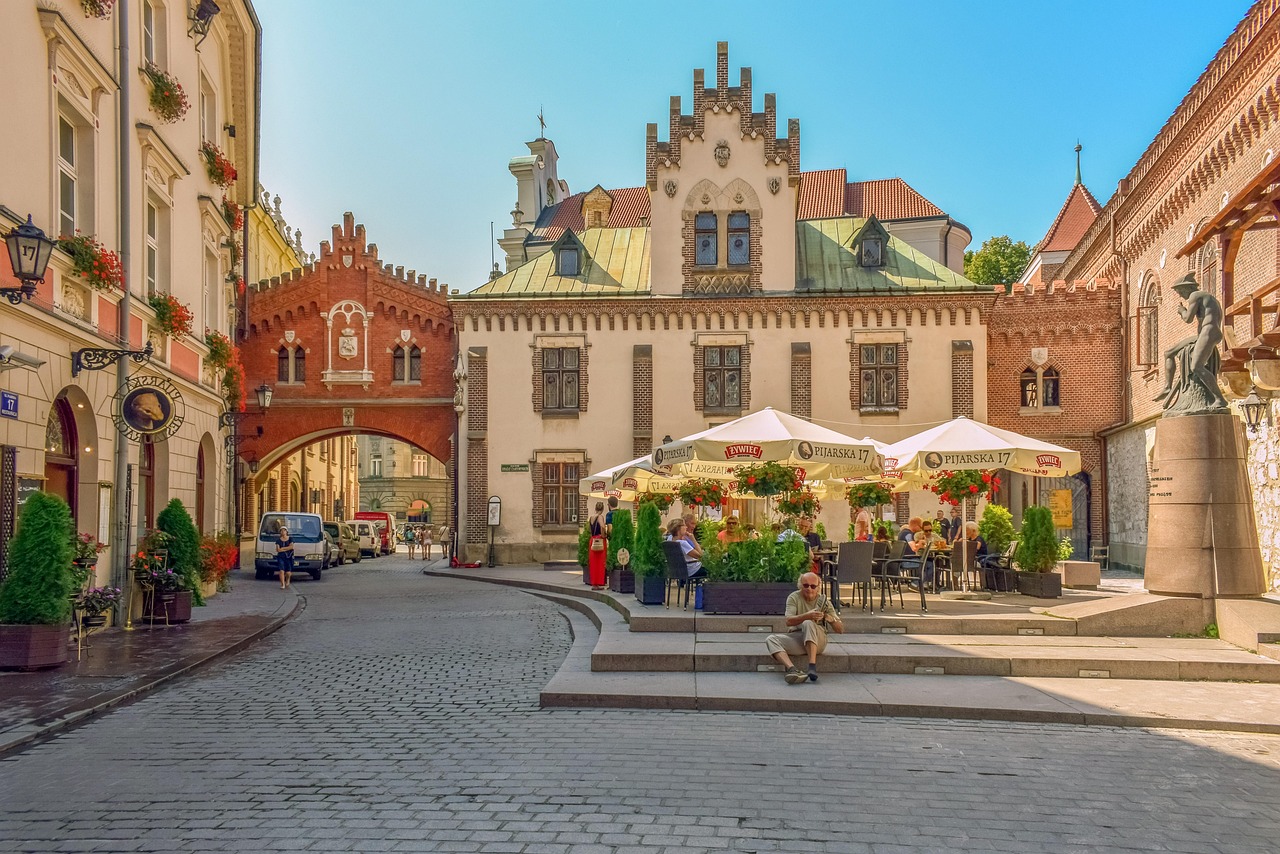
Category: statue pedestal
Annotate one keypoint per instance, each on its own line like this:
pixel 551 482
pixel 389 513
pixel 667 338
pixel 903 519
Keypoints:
pixel 1201 539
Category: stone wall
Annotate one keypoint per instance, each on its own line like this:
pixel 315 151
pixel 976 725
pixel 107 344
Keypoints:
pixel 1264 476
pixel 1127 497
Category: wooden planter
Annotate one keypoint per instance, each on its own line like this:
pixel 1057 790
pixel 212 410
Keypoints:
pixel 622 581
pixel 33 647
pixel 745 597
pixel 649 589
pixel 1044 585
pixel 177 609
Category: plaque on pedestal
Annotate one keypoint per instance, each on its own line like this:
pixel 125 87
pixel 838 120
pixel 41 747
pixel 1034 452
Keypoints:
pixel 1201 539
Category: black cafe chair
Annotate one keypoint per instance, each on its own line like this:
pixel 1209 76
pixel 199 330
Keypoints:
pixel 678 572
pixel 853 566
pixel 908 568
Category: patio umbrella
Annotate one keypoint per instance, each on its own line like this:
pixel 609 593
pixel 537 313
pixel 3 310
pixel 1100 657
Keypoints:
pixel 626 480
pixel 963 444
pixel 769 436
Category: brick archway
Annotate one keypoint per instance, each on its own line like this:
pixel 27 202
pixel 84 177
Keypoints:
pixel 332 330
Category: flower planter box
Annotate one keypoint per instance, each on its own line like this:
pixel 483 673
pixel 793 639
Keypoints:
pixel 1044 585
pixel 1080 574
pixel 649 589
pixel 745 597
pixel 622 581
pixel 177 609
pixel 33 647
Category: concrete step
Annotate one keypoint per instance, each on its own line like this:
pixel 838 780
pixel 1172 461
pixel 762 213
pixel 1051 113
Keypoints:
pixel 1170 659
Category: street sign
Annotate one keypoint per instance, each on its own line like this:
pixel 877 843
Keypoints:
pixel 509 467
pixel 8 404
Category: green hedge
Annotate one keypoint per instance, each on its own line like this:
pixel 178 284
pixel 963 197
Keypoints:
pixel 38 589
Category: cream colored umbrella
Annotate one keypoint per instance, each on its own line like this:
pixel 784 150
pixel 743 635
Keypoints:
pixel 963 444
pixel 627 480
pixel 768 436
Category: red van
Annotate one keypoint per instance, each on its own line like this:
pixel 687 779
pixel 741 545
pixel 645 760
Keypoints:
pixel 385 529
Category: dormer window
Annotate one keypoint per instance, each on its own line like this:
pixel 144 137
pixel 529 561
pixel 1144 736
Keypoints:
pixel 871 252
pixel 567 261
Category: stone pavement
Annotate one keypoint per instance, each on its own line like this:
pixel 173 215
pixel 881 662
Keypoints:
pixel 399 712
pixel 120 664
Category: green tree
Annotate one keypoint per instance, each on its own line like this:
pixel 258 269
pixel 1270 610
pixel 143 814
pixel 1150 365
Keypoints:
pixel 996 528
pixel 1038 544
pixel 646 557
pixel 38 589
pixel 624 536
pixel 998 262
pixel 184 548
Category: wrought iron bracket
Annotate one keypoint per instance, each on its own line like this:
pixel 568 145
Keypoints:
pixel 17 295
pixel 230 419
pixel 95 358
pixel 234 441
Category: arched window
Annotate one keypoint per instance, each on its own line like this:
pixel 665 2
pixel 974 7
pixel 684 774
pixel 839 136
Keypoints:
pixel 1030 386
pixel 1149 322
pixel 200 499
pixel 282 365
pixel 397 364
pixel 1049 388
pixel 415 364
pixel 299 365
pixel 291 364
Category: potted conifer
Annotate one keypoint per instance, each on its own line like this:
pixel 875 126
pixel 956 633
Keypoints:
pixel 753 576
pixel 621 578
pixel 182 578
pixel 35 598
pixel 1038 555
pixel 647 560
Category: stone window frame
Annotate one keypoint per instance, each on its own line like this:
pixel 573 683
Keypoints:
pixel 1039 377
pixel 707 197
pixel 296 361
pixel 1147 321
pixel 859 339
pixel 701 341
pixel 559 342
pixel 407 358
pixel 543 457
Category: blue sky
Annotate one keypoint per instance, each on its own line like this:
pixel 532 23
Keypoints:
pixel 406 113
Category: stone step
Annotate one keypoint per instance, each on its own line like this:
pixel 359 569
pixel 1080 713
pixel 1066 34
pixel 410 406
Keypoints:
pixel 1169 659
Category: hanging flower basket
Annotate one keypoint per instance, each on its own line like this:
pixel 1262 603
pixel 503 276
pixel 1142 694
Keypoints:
pixel 662 500
pixel 952 487
pixel 96 265
pixel 172 317
pixel 869 495
pixel 233 383
pixel 801 502
pixel 701 492
pixel 220 170
pixel 233 250
pixel 232 213
pixel 220 347
pixel 168 100
pixel 97 8
pixel 766 479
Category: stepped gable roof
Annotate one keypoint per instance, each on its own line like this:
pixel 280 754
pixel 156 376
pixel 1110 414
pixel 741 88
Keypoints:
pixel 615 263
pixel 1069 227
pixel 630 206
pixel 827 262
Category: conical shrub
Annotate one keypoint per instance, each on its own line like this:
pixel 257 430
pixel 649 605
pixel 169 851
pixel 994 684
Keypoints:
pixel 623 536
pixel 646 557
pixel 184 548
pixel 39 586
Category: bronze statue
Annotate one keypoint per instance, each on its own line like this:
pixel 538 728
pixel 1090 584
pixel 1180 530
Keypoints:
pixel 1196 391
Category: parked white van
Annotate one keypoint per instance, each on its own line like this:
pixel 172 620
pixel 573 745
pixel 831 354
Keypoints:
pixel 367 534
pixel 310 550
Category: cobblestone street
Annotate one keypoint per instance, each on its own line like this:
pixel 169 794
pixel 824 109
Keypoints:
pixel 399 713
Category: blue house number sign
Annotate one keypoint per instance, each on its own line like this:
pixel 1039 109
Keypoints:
pixel 8 404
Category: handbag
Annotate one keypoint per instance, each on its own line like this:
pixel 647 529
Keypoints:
pixel 597 544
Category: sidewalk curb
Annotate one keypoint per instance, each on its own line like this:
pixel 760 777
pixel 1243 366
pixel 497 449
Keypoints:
pixel 23 736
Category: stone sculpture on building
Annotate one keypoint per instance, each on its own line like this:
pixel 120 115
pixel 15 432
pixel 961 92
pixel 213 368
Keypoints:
pixel 1195 360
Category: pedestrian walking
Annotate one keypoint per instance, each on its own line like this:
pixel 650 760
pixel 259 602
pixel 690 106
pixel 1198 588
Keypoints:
pixel 409 540
pixel 284 558
pixel 425 530
pixel 598 548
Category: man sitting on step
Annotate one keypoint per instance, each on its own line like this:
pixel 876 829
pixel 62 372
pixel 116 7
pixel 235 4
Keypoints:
pixel 809 614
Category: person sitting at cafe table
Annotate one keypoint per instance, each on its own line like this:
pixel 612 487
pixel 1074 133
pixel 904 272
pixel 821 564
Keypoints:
pixel 732 531
pixel 922 540
pixel 678 532
pixel 809 615
pixel 908 534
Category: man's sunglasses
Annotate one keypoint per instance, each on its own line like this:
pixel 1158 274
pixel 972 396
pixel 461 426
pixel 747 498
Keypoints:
pixel 809 585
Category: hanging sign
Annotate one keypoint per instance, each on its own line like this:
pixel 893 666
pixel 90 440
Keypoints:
pixel 1060 507
pixel 148 406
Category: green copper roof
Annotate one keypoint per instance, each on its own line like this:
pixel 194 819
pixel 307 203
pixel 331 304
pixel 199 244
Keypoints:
pixel 616 263
pixel 826 262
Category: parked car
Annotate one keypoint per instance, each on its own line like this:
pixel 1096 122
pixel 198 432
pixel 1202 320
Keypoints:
pixel 367 537
pixel 388 526
pixel 346 543
pixel 310 549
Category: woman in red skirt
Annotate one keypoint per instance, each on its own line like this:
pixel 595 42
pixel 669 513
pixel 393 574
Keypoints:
pixel 598 549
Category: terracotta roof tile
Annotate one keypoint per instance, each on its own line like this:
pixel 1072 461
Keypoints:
pixel 822 194
pixel 1077 214
pixel 888 198
pixel 630 205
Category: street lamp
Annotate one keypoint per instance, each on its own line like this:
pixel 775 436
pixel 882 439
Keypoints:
pixel 253 465
pixel 29 252
pixel 1253 408
pixel 264 396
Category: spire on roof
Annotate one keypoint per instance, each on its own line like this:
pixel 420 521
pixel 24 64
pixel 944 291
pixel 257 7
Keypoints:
pixel 1078 149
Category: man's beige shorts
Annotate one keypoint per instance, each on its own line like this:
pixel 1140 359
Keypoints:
pixel 792 643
